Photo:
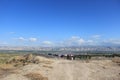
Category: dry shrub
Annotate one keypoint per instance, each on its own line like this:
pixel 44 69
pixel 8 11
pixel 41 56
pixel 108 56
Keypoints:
pixel 47 66
pixel 20 61
pixel 39 59
pixel 29 57
pixel 36 76
pixel 87 61
pixel 6 69
pixel 116 59
pixel 48 62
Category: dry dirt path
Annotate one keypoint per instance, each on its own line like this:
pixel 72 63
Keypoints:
pixel 77 70
pixel 69 70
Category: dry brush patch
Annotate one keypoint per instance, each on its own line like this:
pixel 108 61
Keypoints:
pixel 6 69
pixel 116 60
pixel 39 59
pixel 11 66
pixel 48 66
pixel 28 59
pixel 5 57
pixel 36 76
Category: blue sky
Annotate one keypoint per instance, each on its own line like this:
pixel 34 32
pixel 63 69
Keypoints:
pixel 59 22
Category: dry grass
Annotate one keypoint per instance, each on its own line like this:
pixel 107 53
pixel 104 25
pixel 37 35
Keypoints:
pixel 6 69
pixel 48 62
pixel 116 59
pixel 40 59
pixel 36 76
pixel 6 66
pixel 47 66
pixel 5 57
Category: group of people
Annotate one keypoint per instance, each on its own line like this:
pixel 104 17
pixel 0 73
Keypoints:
pixel 64 56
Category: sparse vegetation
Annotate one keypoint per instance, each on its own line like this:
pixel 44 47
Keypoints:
pixel 39 59
pixel 36 76
pixel 116 60
pixel 47 66
pixel 6 69
pixel 4 57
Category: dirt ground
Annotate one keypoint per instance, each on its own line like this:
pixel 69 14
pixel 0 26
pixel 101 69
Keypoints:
pixel 80 70
pixel 60 69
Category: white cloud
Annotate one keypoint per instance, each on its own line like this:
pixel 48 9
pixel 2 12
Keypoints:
pixel 77 41
pixel 96 36
pixel 90 41
pixel 21 39
pixel 112 41
pixel 80 41
pixel 33 39
pixel 27 39
pixel 74 41
pixel 47 43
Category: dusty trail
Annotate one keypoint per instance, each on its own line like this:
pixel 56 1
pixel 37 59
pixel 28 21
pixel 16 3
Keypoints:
pixel 69 70
pixel 78 70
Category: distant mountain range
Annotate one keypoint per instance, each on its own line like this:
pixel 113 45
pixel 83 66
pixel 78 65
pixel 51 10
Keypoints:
pixel 83 48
